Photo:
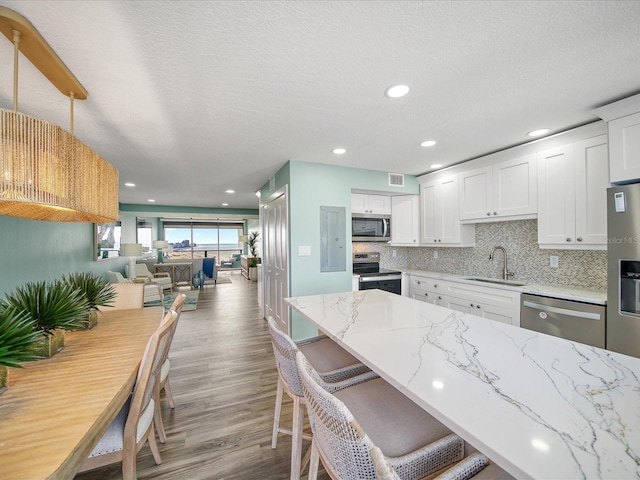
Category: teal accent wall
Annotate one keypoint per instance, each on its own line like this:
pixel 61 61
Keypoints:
pixel 33 251
pixel 311 186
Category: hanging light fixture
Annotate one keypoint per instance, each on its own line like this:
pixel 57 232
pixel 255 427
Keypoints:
pixel 46 172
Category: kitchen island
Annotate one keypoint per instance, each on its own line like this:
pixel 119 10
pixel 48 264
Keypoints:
pixel 538 406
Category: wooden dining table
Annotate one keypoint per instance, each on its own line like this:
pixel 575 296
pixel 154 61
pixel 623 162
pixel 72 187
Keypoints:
pixel 55 410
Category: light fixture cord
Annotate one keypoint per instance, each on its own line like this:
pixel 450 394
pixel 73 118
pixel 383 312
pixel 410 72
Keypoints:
pixel 72 97
pixel 16 51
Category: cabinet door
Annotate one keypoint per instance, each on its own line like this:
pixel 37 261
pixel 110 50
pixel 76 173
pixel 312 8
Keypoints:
pixel 457 304
pixel 515 187
pixel 359 203
pixel 405 220
pixel 475 194
pixel 592 168
pixel 497 314
pixel 624 148
pixel 429 204
pixel 448 216
pixel 379 204
pixel 556 196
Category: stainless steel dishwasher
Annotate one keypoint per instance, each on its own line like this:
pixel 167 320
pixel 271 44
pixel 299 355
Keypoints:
pixel 577 321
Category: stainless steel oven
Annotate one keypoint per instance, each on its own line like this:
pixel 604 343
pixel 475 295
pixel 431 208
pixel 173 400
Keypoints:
pixel 367 266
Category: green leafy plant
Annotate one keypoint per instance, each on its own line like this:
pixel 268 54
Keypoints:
pixel 96 290
pixel 50 305
pixel 252 242
pixel 17 333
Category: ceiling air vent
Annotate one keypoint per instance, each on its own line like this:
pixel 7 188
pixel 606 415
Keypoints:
pixel 396 180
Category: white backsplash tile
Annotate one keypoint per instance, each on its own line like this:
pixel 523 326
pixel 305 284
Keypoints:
pixel 576 268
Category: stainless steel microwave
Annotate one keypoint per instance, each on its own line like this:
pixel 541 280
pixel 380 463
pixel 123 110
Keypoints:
pixel 370 228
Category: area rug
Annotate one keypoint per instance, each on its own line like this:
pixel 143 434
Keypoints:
pixel 190 303
pixel 223 278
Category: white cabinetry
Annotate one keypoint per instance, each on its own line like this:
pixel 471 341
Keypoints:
pixel 572 195
pixel 405 220
pixel 439 215
pixel 503 191
pixel 623 119
pixel 500 305
pixel 426 289
pixel 373 204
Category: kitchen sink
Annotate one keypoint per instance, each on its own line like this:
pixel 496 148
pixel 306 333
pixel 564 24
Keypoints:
pixel 497 281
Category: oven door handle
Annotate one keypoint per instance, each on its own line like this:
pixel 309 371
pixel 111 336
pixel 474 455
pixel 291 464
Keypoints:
pixel 381 278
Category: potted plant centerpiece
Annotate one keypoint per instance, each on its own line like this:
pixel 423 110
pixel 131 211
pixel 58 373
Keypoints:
pixel 96 290
pixel 17 333
pixel 52 307
pixel 254 260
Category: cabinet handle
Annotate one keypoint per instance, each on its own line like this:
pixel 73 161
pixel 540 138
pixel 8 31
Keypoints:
pixel 579 239
pixel 477 306
pixel 439 240
pixel 435 285
pixel 568 239
pixel 495 213
pixel 472 305
pixel 439 298
pixel 488 213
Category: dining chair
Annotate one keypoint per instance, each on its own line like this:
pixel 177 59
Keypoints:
pixel 133 426
pixel 338 368
pixel 163 383
pixel 152 291
pixel 348 423
pixel 128 295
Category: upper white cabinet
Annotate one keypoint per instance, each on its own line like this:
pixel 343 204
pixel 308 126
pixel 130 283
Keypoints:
pixel 502 191
pixel 370 204
pixel 572 195
pixel 439 215
pixel 623 119
pixel 405 220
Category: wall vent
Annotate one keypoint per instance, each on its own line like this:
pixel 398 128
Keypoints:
pixel 396 180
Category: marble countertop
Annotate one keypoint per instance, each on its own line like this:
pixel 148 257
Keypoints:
pixel 554 291
pixel 539 406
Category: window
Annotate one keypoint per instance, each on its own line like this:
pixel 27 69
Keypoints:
pixel 143 233
pixel 107 240
pixel 203 239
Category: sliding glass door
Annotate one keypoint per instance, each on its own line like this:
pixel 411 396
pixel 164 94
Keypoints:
pixel 203 239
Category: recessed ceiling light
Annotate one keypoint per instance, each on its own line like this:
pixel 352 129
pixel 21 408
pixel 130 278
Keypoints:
pixel 151 200
pixel 397 91
pixel 230 191
pixel 339 151
pixel 428 143
pixel 539 132
pixel 129 184
pixel 435 165
pixel 225 204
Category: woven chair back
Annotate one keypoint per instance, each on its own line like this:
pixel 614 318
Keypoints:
pixel 284 350
pixel 343 446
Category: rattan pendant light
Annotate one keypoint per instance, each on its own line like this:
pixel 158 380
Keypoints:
pixel 46 172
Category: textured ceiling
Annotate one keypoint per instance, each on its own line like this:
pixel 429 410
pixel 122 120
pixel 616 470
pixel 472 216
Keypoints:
pixel 188 99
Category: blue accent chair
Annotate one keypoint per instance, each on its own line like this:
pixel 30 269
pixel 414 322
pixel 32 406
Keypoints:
pixel 233 263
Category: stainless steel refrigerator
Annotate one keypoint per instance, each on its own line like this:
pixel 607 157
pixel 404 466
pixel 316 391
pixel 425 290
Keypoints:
pixel 623 269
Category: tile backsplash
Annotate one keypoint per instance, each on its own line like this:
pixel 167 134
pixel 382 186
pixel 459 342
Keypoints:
pixel 576 268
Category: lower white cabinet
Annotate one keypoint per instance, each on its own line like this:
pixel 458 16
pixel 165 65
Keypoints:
pixel 500 305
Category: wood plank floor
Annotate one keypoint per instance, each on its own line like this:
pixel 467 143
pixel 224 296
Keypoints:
pixel 223 379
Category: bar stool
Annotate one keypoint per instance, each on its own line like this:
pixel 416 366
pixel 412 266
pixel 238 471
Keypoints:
pixel 352 428
pixel 336 366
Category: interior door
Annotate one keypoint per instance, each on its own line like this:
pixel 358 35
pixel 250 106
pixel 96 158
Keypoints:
pixel 275 263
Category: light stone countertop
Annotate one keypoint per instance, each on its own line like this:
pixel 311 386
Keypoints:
pixel 554 291
pixel 539 406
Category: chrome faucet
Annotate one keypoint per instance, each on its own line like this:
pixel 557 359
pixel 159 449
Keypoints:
pixel 505 273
